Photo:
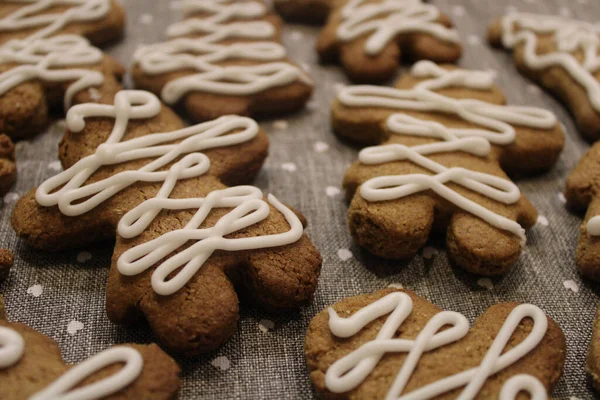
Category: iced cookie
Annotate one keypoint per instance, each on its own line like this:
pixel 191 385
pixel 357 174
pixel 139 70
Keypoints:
pixel 391 343
pixel 224 58
pixel 559 54
pixel 369 37
pixel 184 238
pixel 45 64
pixel 445 139
pixel 31 367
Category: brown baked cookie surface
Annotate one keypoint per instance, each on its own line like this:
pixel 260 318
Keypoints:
pixel 32 365
pixel 8 169
pixel 7 259
pixel 305 11
pixel 445 141
pixel 559 54
pixel 593 358
pixel 391 343
pixel 224 58
pixel 161 190
pixel 583 193
pixel 46 65
pixel 369 37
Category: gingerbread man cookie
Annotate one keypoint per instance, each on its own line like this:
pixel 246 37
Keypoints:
pixel 31 367
pixel 562 56
pixel 368 37
pixel 445 137
pixel 225 58
pixel 8 169
pixel 48 62
pixel 390 344
pixel 184 238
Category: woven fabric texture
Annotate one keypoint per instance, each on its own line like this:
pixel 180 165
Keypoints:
pixel 62 295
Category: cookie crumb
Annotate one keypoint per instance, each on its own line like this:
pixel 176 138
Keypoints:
pixel 428 252
pixel 473 40
pixel 7 259
pixel 485 283
pixel 55 166
pixel 562 198
pixel 265 325
pixel 35 290
pixel 146 19
pixel 395 286
pixel 73 327
pixel 571 285
pixel 11 197
pixel 83 257
pixel 344 254
pixel 533 89
pixel 542 220
pixel 321 147
pixel 332 191
pixel 297 35
pixel 221 362
pixel 289 167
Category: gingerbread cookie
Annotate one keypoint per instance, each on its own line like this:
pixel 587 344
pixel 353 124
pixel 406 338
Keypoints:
pixel 583 193
pixel 368 37
pixel 593 358
pixel 184 238
pixel 225 58
pixel 7 259
pixel 31 367
pixel 305 11
pixel 45 64
pixel 562 56
pixel 391 343
pixel 445 137
pixel 8 169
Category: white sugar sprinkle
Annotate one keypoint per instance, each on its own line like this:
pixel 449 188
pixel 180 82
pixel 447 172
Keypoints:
pixel 533 89
pixel 221 362
pixel 312 105
pixel 11 197
pixel 332 191
pixel 344 254
pixel 473 40
pixel 35 290
pixel 265 325
pixel 281 125
pixel 95 94
pixel 429 252
pixel 571 285
pixel 321 147
pixel 289 167
pixel 297 35
pixel 73 327
pixel 395 286
pixel 55 166
pixel 542 220
pixel 562 198
pixel 146 19
pixel 84 256
pixel 485 283
pixel 458 11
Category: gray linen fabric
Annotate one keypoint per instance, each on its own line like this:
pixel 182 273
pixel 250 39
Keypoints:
pixel 271 364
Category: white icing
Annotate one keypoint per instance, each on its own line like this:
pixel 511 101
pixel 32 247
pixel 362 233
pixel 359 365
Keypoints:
pixel 593 226
pixel 569 36
pixel 385 20
pixel 493 121
pixel 351 370
pixel 11 347
pixel 248 209
pixel 51 58
pixel 12 350
pixel 253 41
pixel 73 197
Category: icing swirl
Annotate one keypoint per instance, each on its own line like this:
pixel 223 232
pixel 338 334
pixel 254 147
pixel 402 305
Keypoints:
pixel 350 371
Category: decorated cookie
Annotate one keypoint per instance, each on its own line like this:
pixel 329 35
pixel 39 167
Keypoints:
pixel 593 358
pixel 390 344
pixel 562 56
pixel 445 139
pixel 583 193
pixel 184 238
pixel 368 37
pixel 45 64
pixel 6 262
pixel 225 58
pixel 31 367
pixel 8 169
pixel 305 11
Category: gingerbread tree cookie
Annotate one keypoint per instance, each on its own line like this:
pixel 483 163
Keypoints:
pixel 183 237
pixel 225 58
pixel 391 343
pixel 46 64
pixel 31 367
pixel 445 140
pixel 562 56
pixel 368 37
pixel 8 169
